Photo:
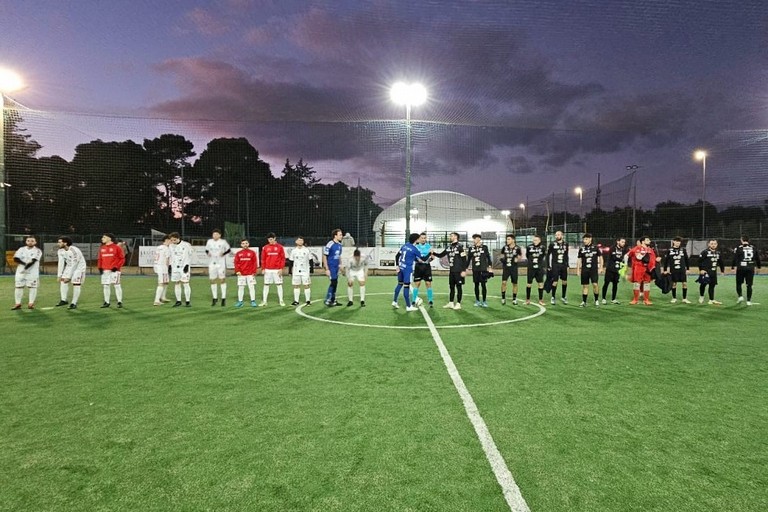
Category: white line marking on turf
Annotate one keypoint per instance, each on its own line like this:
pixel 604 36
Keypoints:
pixel 509 488
pixel 300 311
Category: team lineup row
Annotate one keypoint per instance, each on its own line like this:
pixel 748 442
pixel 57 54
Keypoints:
pixel 546 265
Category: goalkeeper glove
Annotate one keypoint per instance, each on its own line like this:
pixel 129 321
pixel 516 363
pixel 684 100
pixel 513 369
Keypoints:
pixel 186 268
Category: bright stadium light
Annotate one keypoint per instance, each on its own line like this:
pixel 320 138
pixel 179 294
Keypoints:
pixel 409 95
pixel 9 81
pixel 701 156
pixel 580 192
pixel 505 213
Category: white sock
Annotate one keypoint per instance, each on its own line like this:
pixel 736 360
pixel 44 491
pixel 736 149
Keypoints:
pixel 223 290
pixel 18 294
pixel 350 292
pixel 76 294
pixel 63 290
pixel 296 294
pixel 177 291
pixel 252 291
pixel 106 293
pixel 362 293
pixel 240 293
pixel 215 291
pixel 188 291
pixel 32 295
pixel 279 293
pixel 307 292
pixel 158 293
pixel 119 292
pixel 265 293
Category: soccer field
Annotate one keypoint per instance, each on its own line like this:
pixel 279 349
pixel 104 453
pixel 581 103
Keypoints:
pixel 615 408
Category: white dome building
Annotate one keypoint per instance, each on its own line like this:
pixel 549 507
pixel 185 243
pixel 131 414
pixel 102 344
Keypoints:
pixel 439 212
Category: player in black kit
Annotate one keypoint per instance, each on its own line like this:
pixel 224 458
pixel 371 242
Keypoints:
pixel 588 268
pixel 536 255
pixel 510 254
pixel 558 263
pixel 709 261
pixel 676 263
pixel 745 260
pixel 613 261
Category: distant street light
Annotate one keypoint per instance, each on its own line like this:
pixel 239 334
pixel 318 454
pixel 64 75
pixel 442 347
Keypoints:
pixel 9 82
pixel 505 214
pixel 702 156
pixel 580 192
pixel 408 95
pixel 522 208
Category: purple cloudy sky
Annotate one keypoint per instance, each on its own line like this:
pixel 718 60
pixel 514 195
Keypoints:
pixel 526 97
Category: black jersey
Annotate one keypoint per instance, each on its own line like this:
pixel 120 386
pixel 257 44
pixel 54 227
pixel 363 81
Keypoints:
pixel 746 256
pixel 479 257
pixel 710 260
pixel 510 255
pixel 614 259
pixel 676 259
pixel 558 252
pixel 457 257
pixel 589 254
pixel 537 257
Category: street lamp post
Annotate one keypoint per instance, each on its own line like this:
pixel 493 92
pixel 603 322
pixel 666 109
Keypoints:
pixel 408 95
pixel 522 208
pixel 9 82
pixel 580 193
pixel 634 169
pixel 702 155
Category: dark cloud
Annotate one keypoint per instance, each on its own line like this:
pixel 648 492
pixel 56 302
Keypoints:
pixel 491 94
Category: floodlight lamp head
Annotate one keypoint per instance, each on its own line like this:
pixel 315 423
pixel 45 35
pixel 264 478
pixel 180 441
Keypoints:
pixel 505 212
pixel 700 154
pixel 522 206
pixel 579 190
pixel 10 81
pixel 408 94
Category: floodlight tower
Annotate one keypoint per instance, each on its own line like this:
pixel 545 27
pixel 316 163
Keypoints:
pixel 701 155
pixel 409 95
pixel 580 192
pixel 9 82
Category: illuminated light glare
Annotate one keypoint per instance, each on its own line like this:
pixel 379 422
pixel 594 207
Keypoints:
pixel 505 212
pixel 10 81
pixel 408 94
pixel 700 154
pixel 579 190
pixel 522 206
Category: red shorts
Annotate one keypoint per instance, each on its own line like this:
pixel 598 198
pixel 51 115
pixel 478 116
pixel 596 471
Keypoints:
pixel 640 275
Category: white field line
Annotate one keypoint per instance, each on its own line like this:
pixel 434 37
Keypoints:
pixel 509 488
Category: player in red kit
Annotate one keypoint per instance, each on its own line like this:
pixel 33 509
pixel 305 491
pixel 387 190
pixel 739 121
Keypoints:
pixel 110 263
pixel 246 263
pixel 272 263
pixel 642 259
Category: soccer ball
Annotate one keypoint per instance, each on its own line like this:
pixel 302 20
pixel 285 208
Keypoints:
pixel 418 301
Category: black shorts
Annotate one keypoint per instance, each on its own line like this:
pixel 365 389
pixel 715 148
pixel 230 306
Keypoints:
pixel 560 272
pixel 589 276
pixel 712 277
pixel 455 278
pixel 679 276
pixel 422 272
pixel 537 274
pixel 611 276
pixel 509 273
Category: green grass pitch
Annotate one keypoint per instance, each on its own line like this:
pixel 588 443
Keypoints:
pixel 621 408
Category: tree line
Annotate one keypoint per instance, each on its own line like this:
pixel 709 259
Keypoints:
pixel 666 220
pixel 128 188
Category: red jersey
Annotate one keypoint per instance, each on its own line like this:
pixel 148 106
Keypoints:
pixel 273 257
pixel 111 256
pixel 246 262
pixel 642 260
